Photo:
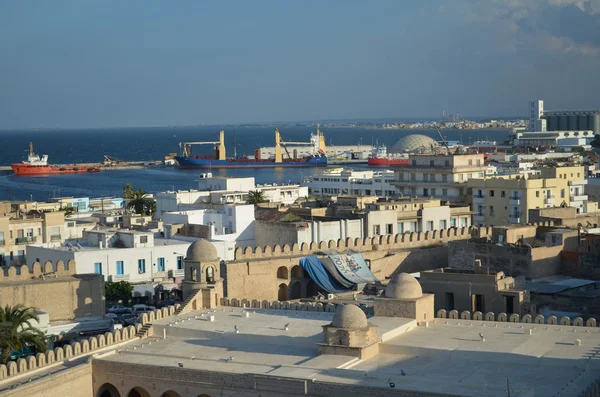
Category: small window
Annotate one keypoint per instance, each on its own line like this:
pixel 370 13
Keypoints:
pixel 502 193
pixel 120 268
pixel 491 193
pixel 143 239
pixel 537 194
pixel 98 268
pixel 141 266
pixel 431 163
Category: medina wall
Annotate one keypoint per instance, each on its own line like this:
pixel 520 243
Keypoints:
pixel 75 382
pixel 53 288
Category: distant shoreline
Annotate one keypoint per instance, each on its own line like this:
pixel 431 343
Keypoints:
pixel 367 127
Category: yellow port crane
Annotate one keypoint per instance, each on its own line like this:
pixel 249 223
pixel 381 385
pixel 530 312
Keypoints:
pixel 186 147
pixel 317 141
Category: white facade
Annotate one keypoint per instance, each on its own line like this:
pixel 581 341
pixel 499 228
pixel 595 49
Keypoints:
pixel 218 190
pixel 360 183
pixel 559 139
pixel 536 110
pixel 440 176
pixel 229 222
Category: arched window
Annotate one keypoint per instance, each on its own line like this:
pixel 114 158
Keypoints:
pixel 108 390
pixel 296 290
pixel 193 273
pixel 282 272
pixel 210 275
pixel 297 272
pixel 138 392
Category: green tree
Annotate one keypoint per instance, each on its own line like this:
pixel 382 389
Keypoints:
pixel 16 331
pixel 128 191
pixel 256 197
pixel 68 210
pixel 141 204
pixel 118 291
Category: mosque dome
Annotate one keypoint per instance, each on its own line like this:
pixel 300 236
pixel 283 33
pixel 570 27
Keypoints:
pixel 349 316
pixel 413 143
pixel 403 286
pixel 202 251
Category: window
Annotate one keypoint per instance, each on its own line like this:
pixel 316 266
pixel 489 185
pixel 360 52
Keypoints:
pixel 491 193
pixel 491 210
pixel 470 162
pixel 537 194
pixel 447 163
pixel 429 226
pixel 1 238
pixel 562 193
pixel 143 239
pixel 442 224
pixel 376 229
pixel 502 194
pixel 70 224
pixel 444 178
pixel 445 192
pixel 413 177
pixel 120 268
pixel 98 268
pixel 389 229
pixel 160 264
pixel 141 266
pixel 433 192
pixel 431 163
pixel 400 228
pixel 414 162
pixel 179 262
pixel 29 232
pixel 452 222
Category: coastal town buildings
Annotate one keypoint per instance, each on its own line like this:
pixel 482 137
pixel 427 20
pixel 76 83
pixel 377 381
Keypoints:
pixel 440 176
pixel 507 199
pixel 340 181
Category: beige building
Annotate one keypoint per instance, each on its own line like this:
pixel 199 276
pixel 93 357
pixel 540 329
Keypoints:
pixel 477 290
pixel 17 231
pixel 439 175
pixel 507 199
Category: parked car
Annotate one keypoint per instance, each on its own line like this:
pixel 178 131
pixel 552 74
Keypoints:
pixel 128 319
pixel 165 303
pixel 112 316
pixel 119 309
pixel 139 309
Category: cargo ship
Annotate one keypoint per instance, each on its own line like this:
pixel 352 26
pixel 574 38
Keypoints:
pixel 381 158
pixel 36 165
pixel 317 158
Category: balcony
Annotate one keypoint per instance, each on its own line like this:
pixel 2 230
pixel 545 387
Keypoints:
pixel 119 277
pixel 514 201
pixel 478 199
pixel 56 237
pixel 25 240
pixel 578 182
pixel 549 200
pixel 582 197
pixel 479 218
pixel 515 218
pixel 176 273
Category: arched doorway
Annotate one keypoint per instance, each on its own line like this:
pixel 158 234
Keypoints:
pixel 296 290
pixel 282 294
pixel 282 272
pixel 108 390
pixel 170 393
pixel 297 272
pixel 138 392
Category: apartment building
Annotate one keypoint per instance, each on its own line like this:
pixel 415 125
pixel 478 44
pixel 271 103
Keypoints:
pixel 439 175
pixel 338 181
pixel 18 230
pixel 421 215
pixel 507 199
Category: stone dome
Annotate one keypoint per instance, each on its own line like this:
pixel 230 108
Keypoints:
pixel 413 143
pixel 349 316
pixel 403 286
pixel 202 251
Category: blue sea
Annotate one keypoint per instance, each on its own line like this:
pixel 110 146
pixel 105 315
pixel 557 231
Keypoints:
pixel 145 144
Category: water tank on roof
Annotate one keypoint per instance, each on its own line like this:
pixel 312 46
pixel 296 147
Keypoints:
pixel 563 123
pixel 573 123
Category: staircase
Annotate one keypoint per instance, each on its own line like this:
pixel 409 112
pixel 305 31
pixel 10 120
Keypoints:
pixel 141 333
pixel 186 306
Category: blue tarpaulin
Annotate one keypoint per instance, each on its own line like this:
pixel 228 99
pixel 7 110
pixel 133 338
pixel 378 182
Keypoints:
pixel 353 268
pixel 315 269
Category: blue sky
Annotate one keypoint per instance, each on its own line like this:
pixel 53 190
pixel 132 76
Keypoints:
pixel 152 63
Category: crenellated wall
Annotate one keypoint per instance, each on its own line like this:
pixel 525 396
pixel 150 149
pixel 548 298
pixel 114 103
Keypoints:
pixel 515 318
pixel 48 270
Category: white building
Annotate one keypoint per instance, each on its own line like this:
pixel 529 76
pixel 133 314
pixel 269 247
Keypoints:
pixel 134 256
pixel 439 175
pixel 339 181
pixel 221 190
pixel 226 222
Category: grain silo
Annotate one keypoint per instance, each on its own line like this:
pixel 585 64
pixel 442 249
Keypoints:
pixel 582 122
pixel 594 123
pixel 573 123
pixel 552 123
pixel 563 122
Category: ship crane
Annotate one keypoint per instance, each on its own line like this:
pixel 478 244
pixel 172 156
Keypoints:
pixel 444 141
pixel 186 147
pixel 317 141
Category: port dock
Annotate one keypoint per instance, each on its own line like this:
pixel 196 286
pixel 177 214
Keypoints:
pixel 122 165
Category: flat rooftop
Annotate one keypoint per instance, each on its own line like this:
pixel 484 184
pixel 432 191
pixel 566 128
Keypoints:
pixel 447 356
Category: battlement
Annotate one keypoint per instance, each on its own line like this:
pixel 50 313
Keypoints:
pixel 388 242
pixel 48 270
pixel 515 318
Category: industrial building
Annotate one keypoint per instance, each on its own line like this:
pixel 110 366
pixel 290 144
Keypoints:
pixel 541 120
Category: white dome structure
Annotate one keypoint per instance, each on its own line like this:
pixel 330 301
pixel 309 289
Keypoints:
pixel 403 286
pixel 414 143
pixel 349 316
pixel 202 251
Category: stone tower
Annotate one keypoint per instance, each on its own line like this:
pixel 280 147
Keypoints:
pixel 404 298
pixel 202 273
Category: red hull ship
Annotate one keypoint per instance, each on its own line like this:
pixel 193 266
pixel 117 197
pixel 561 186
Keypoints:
pixel 380 158
pixel 39 166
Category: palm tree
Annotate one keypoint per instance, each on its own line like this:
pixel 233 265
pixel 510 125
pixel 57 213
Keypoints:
pixel 127 191
pixel 141 204
pixel 256 197
pixel 16 331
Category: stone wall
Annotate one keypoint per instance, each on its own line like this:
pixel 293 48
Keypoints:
pixel 580 264
pixel 515 318
pixel 76 382
pixel 54 289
